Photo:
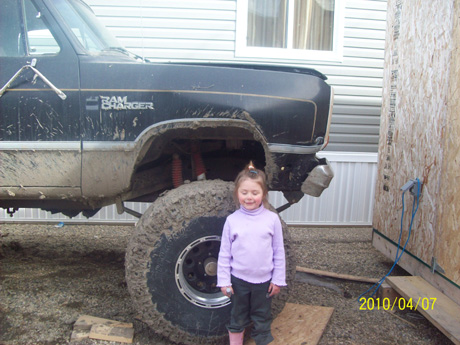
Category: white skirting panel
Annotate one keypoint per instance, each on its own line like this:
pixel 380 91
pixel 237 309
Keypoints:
pixel 348 201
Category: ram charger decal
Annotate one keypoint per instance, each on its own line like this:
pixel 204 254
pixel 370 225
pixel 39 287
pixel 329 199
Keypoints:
pixel 121 103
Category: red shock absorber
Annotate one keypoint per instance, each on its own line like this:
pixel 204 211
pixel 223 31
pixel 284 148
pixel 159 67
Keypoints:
pixel 177 171
pixel 200 170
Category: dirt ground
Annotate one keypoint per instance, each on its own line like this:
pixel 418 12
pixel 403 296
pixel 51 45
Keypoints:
pixel 51 275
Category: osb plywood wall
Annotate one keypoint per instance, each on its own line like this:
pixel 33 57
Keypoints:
pixel 417 135
pixel 447 246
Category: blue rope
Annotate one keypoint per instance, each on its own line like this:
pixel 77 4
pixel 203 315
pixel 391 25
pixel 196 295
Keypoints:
pixel 398 256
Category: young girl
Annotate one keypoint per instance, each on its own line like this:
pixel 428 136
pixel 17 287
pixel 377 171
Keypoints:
pixel 251 265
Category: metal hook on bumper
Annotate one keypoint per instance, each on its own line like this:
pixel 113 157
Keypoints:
pixel 318 180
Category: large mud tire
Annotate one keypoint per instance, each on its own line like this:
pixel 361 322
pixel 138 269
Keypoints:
pixel 169 242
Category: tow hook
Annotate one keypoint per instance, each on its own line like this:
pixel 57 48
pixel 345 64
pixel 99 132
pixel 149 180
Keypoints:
pixel 318 180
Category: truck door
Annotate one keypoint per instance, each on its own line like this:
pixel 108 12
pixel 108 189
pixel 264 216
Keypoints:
pixel 40 148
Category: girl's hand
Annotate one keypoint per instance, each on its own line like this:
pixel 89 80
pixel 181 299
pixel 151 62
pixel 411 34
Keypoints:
pixel 224 291
pixel 273 290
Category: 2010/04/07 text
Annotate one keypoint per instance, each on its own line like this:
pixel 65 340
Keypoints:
pixel 400 303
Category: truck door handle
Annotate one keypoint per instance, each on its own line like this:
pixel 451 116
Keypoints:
pixel 61 94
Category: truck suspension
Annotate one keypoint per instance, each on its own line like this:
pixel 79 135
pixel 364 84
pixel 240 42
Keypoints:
pixel 200 169
pixel 197 166
pixel 177 171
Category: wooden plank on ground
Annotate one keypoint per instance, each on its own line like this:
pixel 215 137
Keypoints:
pixel 337 275
pixel 299 324
pixel 439 309
pixel 78 335
pixel 112 333
pixel 87 321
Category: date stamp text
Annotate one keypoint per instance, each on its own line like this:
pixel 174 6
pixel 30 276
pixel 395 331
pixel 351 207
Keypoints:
pixel 424 303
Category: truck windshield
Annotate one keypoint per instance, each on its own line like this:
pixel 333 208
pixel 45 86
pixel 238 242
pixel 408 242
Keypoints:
pixel 93 36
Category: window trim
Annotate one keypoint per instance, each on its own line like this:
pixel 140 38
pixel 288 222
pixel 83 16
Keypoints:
pixel 288 54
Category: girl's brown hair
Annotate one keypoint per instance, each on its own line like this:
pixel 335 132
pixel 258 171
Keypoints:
pixel 250 172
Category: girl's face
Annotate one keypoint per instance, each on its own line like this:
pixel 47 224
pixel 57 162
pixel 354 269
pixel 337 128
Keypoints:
pixel 250 194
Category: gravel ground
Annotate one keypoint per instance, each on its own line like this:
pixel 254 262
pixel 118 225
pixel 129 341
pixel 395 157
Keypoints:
pixel 50 276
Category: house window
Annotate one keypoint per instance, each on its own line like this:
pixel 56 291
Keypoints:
pixel 289 29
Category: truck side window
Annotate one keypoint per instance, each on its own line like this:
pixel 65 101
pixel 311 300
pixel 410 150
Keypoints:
pixel 33 39
pixel 10 28
pixel 39 38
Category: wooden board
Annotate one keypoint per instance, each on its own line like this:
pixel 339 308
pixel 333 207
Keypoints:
pixel 112 333
pixel 79 335
pixel 87 321
pixel 299 324
pixel 443 312
pixel 447 250
pixel 337 275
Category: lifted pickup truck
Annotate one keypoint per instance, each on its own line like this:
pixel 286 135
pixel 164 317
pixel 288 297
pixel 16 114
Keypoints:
pixel 85 124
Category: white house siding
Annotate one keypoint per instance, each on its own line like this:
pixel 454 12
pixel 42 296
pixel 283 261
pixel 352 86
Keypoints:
pixel 205 31
pixel 348 201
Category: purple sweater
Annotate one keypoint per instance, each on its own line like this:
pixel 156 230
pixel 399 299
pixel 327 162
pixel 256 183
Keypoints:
pixel 252 248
